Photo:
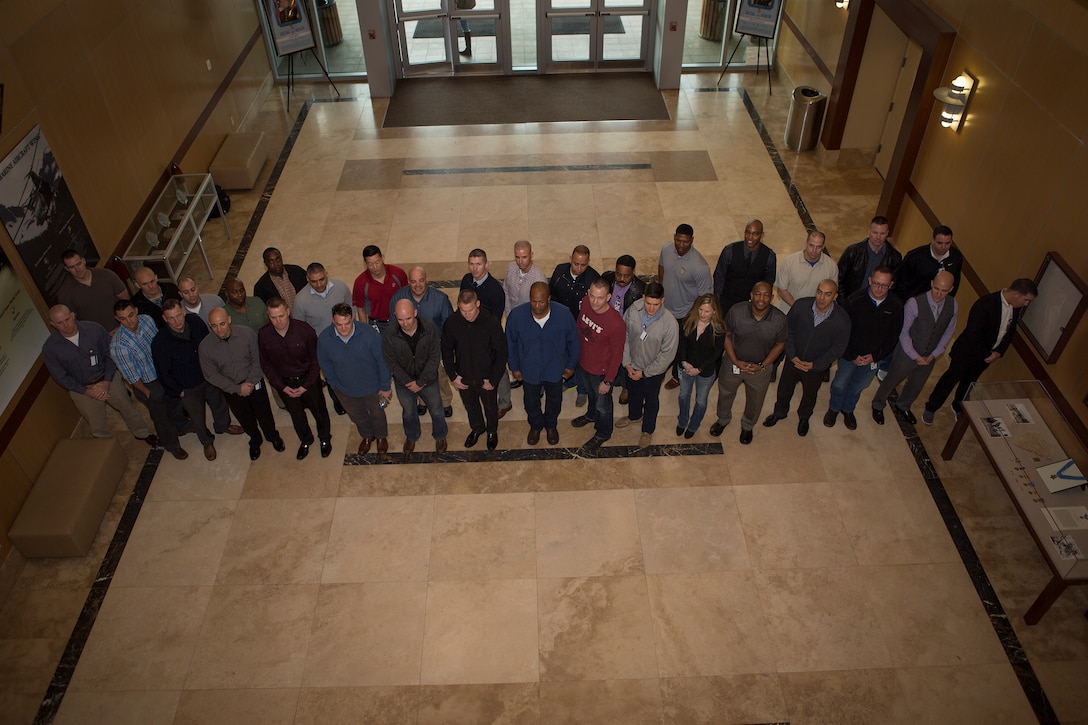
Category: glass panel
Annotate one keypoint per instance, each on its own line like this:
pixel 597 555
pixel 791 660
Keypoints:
pixel 623 37
pixel 523 32
pixel 416 6
pixel 569 4
pixel 426 41
pixel 484 40
pixel 571 38
pixel 338 30
pixel 609 4
pixel 704 30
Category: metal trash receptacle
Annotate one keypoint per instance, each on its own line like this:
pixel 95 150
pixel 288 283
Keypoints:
pixel 805 119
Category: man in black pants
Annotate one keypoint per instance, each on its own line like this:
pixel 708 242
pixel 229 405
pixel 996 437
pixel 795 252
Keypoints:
pixel 474 356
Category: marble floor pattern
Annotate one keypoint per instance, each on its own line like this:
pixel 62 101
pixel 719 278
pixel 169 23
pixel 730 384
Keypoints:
pixel 808 580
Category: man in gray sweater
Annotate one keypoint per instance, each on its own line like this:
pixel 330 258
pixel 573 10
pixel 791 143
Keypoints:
pixel 652 340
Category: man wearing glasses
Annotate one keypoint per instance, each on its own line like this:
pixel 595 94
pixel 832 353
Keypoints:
pixel 876 318
pixel 929 319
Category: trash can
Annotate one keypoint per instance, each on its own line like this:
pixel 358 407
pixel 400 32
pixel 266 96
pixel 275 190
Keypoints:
pixel 712 20
pixel 329 17
pixel 805 119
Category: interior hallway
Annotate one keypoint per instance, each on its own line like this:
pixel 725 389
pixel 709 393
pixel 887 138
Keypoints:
pixel 796 579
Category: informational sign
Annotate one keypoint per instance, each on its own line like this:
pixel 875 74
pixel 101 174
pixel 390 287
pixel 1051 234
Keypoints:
pixel 289 22
pixel 758 17
pixel 39 214
pixel 22 333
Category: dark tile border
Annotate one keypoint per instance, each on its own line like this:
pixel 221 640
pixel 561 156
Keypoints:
pixel 559 453
pixel 522 169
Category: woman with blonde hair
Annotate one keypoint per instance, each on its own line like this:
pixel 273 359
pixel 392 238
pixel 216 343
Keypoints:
pixel 702 344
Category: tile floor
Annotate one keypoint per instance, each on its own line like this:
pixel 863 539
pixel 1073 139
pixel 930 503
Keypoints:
pixel 805 580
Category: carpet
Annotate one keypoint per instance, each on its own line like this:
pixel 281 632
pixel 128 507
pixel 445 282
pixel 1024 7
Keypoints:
pixel 467 101
pixel 481 27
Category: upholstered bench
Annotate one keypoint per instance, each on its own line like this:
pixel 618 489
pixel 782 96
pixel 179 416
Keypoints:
pixel 65 507
pixel 239 161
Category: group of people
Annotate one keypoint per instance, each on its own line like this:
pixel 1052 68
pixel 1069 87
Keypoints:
pixel 874 313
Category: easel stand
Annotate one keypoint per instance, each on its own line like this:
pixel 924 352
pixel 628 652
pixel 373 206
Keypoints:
pixel 291 74
pixel 761 45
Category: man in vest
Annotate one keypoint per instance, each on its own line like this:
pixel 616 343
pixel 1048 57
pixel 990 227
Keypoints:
pixel 929 319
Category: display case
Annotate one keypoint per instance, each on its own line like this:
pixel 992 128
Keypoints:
pixel 174 227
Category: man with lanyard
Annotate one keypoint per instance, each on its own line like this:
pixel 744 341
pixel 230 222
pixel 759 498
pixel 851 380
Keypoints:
pixel 375 287
pixel 435 306
pixel 652 339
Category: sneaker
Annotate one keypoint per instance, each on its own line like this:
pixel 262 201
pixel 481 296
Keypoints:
pixel 927 417
pixel 623 422
pixel 581 400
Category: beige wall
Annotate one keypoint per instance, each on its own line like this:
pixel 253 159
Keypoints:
pixel 117 88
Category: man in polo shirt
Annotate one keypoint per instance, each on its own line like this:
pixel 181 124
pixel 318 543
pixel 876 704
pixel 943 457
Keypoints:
pixel 755 336
pixel 521 274
pixel 198 304
pixel 280 280
pixel 433 305
pixel 152 294
pixel 130 348
pixel 289 360
pixel 490 294
pixel 685 275
pixel 90 293
pixel 800 273
pixel 314 303
pixel 374 288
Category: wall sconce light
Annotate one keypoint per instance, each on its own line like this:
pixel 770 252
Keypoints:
pixel 955 99
pixel 842 4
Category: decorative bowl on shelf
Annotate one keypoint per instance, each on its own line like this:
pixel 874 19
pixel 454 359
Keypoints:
pixel 164 221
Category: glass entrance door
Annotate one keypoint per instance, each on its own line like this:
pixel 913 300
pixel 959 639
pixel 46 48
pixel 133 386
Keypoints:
pixel 436 37
pixel 593 34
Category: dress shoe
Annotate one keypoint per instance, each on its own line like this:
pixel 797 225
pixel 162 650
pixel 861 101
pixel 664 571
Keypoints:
pixel 534 437
pixel 592 445
pixel 383 445
pixel 878 416
pixel 625 421
pixel 553 437
pixel 581 400
pixel 303 451
pixel 802 427
pixel 672 384
pixel 504 411
pixel 279 446
pixel 927 417
pixel 492 441
pixel 421 409
pixel 448 411
pixel 338 409
pixel 623 397
pixel 254 452
pixel 745 436
pixel 716 429
pixel 151 440
pixel 179 454
pixel 771 421
pixel 580 421
pixel 850 421
pixel 326 449
pixel 515 384
pixel 209 452
pixel 830 417
pixel 907 415
pixel 234 430
pixel 472 438
pixel 689 434
pixel 364 446
pixel 409 446
pixel 679 430
pixel 644 440
pixel 440 446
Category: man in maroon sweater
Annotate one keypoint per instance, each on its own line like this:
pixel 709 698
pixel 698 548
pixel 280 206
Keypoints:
pixel 602 333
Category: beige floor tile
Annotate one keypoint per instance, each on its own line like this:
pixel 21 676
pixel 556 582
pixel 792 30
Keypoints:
pixel 497 239
pixel 382 480
pixel 253 637
pixel 581 474
pixel 709 624
pixel 587 533
pixel 793 525
pixel 480 632
pixel 495 204
pixel 143 639
pixel 732 699
pixel 555 238
pixel 752 464
pixel 980 495
pixel 1013 562
pixel 628 235
pixel 845 696
pixel 821 619
pixel 391 705
pixel 569 201
pixel 176 543
pixel 366 634
pixel 36 613
pixel 196 479
pixel 601 701
pixel 118 708
pixel 277 542
pixel 626 200
pixel 867 454
pixel 379 539
pixel 428 205
pixel 487 478
pixel 690 530
pixel 1063 684
pixel 239 707
pixel 272 477
pixel 484 537
pixel 595 628
pixel 23 706
pixel 26 668
pixel 893 522
pixel 500 704
pixel 980 694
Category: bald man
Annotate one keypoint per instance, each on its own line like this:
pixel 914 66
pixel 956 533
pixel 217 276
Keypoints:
pixel 412 351
pixel 152 294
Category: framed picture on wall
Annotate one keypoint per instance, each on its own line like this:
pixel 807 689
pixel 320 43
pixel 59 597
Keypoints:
pixel 289 23
pixel 1049 321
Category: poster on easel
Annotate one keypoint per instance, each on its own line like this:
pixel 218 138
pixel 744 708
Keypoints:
pixel 22 333
pixel 758 18
pixel 289 21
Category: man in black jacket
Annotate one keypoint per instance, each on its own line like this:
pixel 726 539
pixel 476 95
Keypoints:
pixel 859 260
pixel 281 280
pixel 990 325
pixel 412 352
pixel 474 356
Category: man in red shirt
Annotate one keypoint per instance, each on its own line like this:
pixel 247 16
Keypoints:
pixel 374 288
pixel 603 333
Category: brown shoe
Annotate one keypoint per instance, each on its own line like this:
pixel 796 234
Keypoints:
pixel 672 384
pixel 409 446
pixel 623 397
pixel 533 438
pixel 364 446
pixel 553 437
pixel 209 452
pixel 440 446
pixel 181 454
pixel 383 445
pixel 235 430
pixel 504 411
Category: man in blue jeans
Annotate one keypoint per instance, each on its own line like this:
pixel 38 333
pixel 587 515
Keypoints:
pixel 412 352
pixel 602 333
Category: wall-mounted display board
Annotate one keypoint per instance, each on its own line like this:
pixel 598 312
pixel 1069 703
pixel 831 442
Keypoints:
pixel 758 18
pixel 1051 318
pixel 289 22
